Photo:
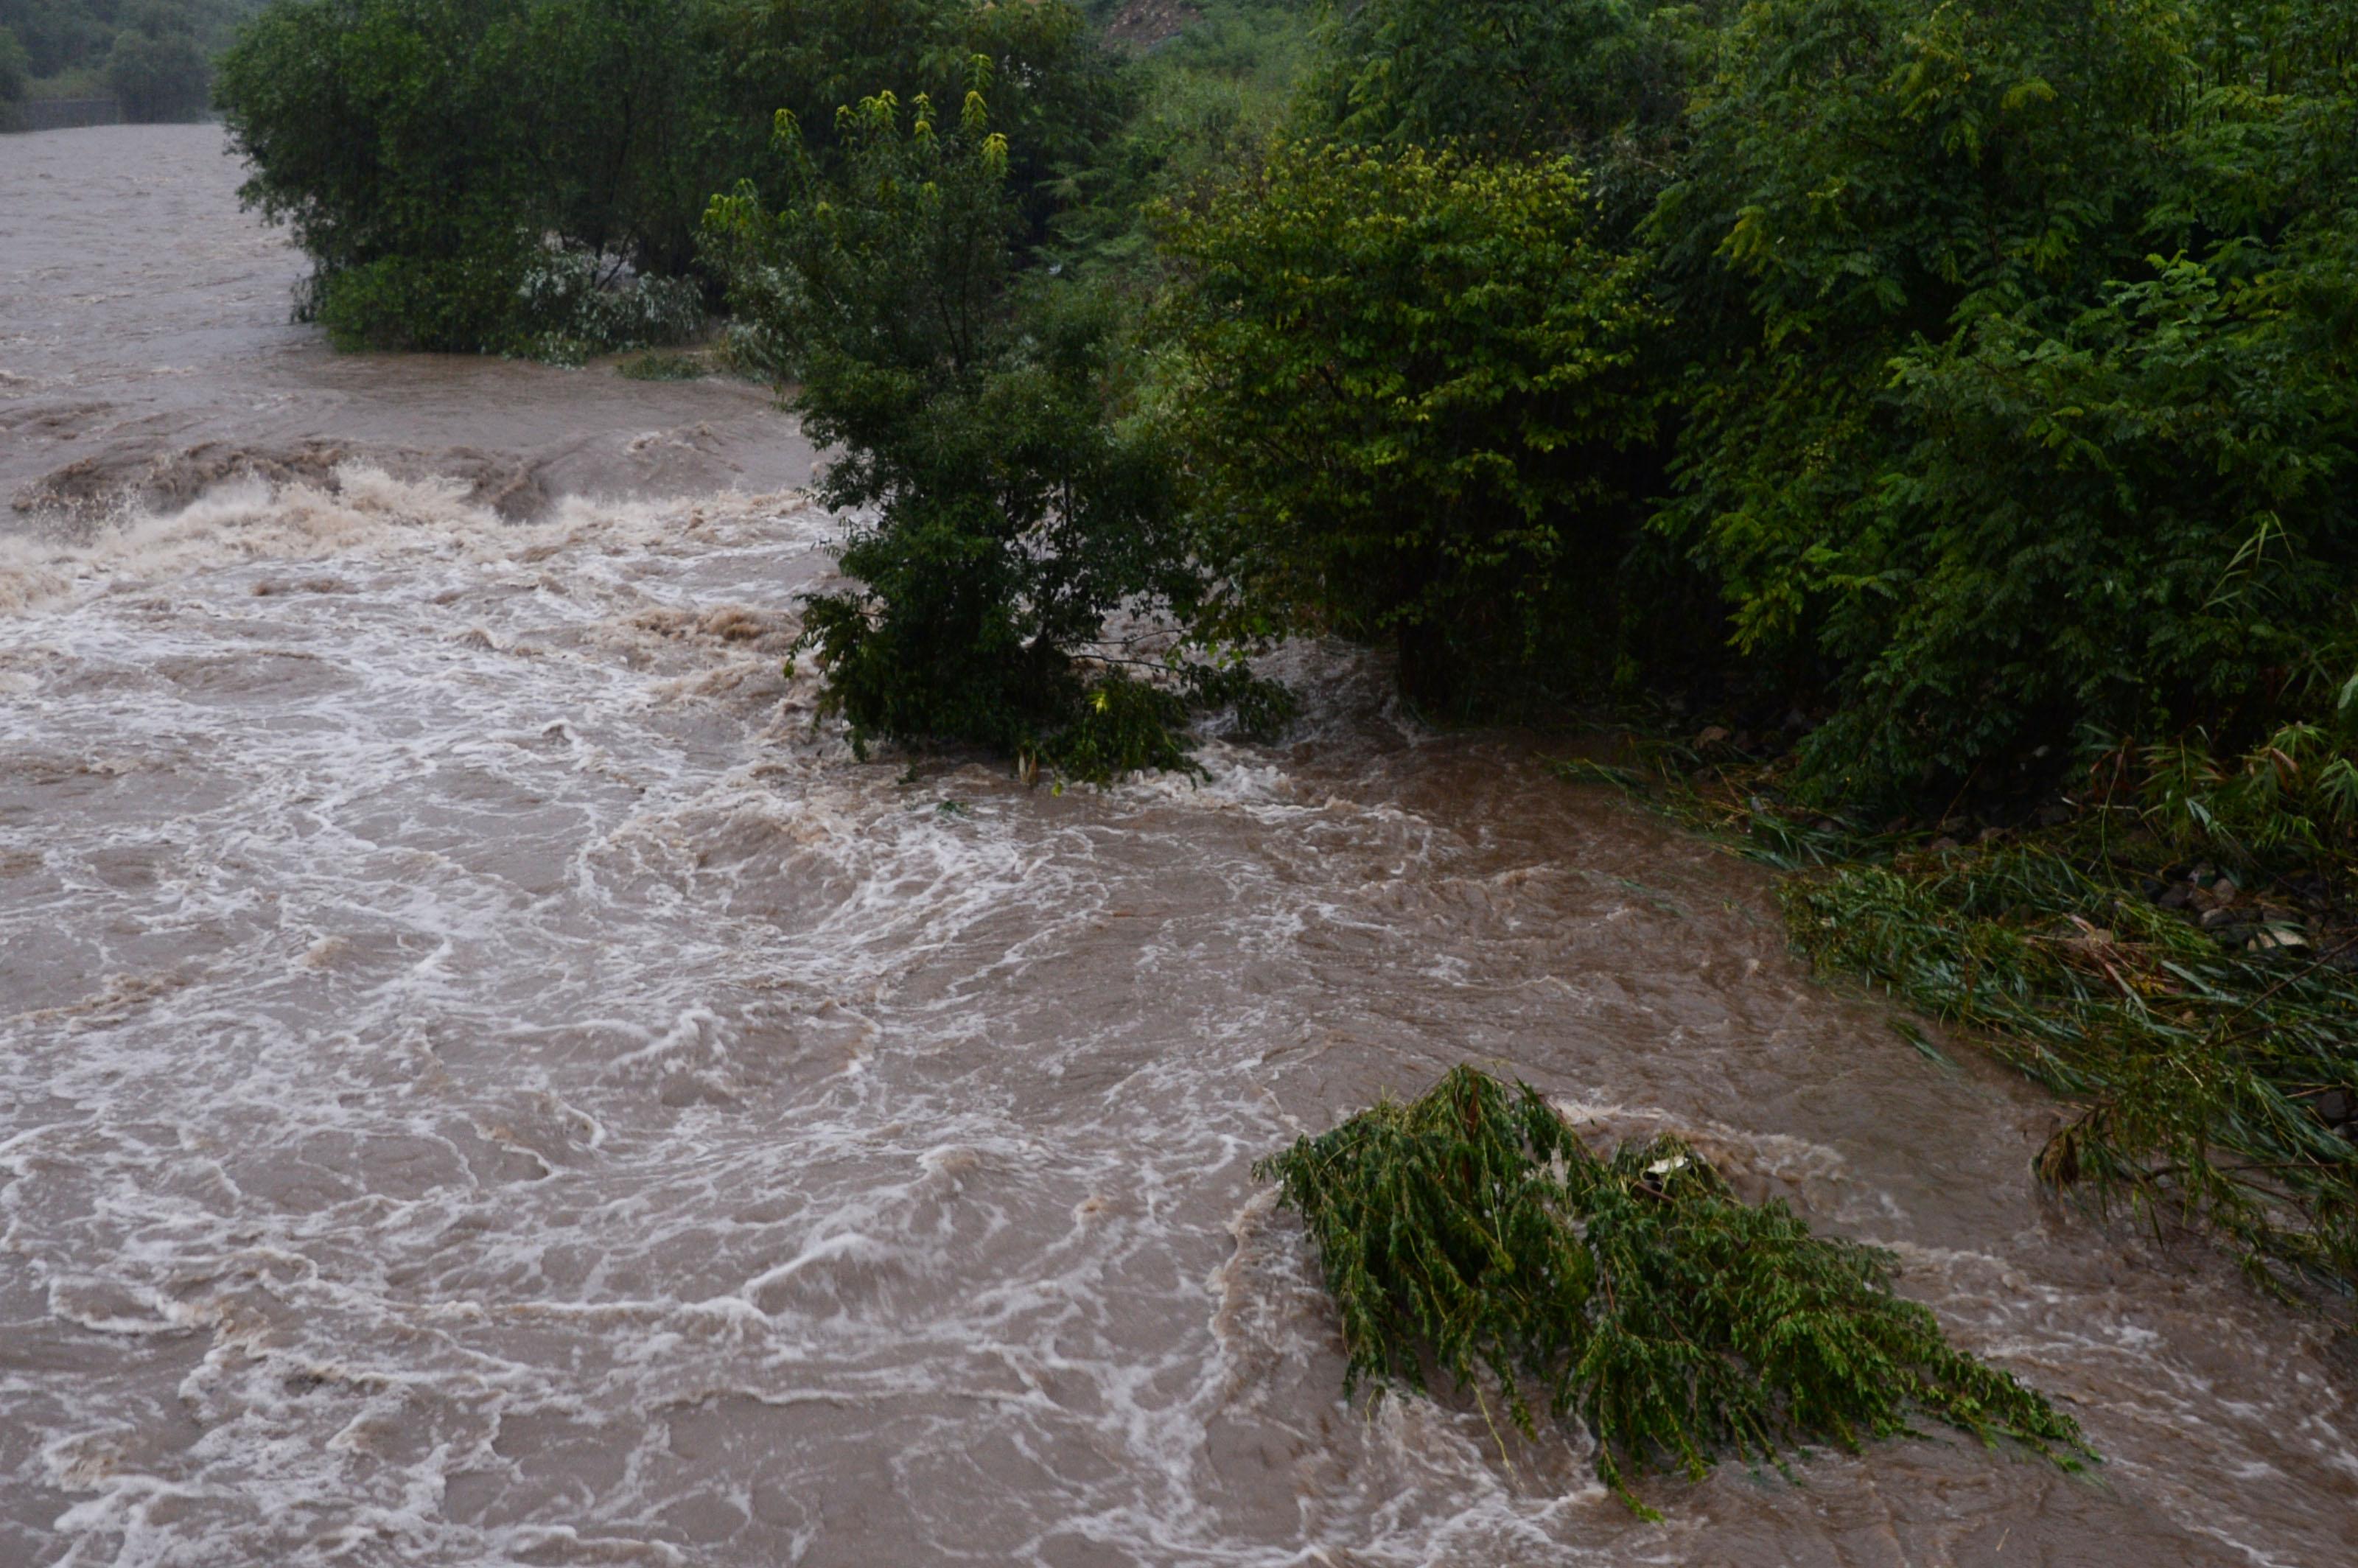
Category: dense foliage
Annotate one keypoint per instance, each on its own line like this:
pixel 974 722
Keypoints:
pixel 1471 1230
pixel 1407 382
pixel 153 56
pixel 1010 516
pixel 2003 351
pixel 487 175
pixel 2024 410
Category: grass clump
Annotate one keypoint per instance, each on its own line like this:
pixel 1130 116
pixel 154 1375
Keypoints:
pixel 655 366
pixel 1471 1232
pixel 2173 950
pixel 2213 1083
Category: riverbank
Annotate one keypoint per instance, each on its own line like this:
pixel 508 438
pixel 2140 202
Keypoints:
pixel 2188 1000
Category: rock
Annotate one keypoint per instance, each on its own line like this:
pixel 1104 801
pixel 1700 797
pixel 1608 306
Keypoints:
pixel 2337 1107
pixel 1714 735
pixel 2268 936
pixel 2219 917
pixel 1942 845
pixel 2175 896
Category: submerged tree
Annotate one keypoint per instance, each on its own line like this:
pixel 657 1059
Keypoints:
pixel 1471 1230
pixel 1013 515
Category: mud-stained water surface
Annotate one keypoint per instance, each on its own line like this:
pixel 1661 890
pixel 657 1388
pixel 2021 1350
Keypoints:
pixel 483 1080
pixel 146 347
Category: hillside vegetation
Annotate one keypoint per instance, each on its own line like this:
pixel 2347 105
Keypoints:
pixel 153 56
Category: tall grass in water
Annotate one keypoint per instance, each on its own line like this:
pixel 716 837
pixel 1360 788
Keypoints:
pixel 2217 1082
pixel 1473 1230
pixel 2206 1077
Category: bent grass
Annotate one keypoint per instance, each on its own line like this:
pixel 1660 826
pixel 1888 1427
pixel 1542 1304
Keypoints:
pixel 2202 1075
pixel 1472 1232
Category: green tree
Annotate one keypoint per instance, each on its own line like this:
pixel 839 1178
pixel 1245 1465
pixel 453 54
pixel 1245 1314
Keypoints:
pixel 2012 338
pixel 16 69
pixel 1011 516
pixel 156 68
pixel 1406 382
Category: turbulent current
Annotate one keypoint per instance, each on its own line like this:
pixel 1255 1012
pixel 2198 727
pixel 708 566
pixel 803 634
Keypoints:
pixel 485 1080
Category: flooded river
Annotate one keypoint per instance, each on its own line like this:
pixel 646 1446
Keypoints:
pixel 484 1080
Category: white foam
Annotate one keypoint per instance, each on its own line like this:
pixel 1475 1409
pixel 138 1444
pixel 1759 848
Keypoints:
pixel 486 1081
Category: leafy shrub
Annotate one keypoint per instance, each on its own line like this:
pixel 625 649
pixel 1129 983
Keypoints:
pixel 1005 516
pixel 2014 341
pixel 1406 384
pixel 1473 1230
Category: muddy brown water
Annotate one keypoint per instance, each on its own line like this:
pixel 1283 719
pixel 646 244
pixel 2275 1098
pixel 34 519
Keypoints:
pixel 483 1080
pixel 146 346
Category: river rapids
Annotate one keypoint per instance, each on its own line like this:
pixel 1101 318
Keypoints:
pixel 486 1079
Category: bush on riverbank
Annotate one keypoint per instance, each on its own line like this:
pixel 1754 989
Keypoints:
pixel 1009 512
pixel 1407 386
pixel 1471 1230
pixel 454 172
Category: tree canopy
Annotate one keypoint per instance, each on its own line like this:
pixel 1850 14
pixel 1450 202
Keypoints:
pixel 155 56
